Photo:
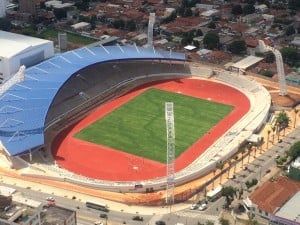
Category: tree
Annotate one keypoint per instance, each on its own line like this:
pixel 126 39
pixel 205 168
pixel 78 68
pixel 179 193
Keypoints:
pixel 290 30
pixel 237 10
pixel 273 129
pixel 229 162
pixel 268 139
pixel 220 166
pixel 82 5
pixel 294 151
pixel 187 12
pixel 294 4
pixel 212 25
pixel 269 57
pixel 211 40
pixel 282 122
pixel 224 221
pixel 5 24
pixel 290 55
pixel 296 112
pixel 199 33
pixel 229 192
pixel 208 222
pixel 242 151
pixel 237 47
pixel 248 9
pixel 249 148
pixel 236 157
pixel 60 13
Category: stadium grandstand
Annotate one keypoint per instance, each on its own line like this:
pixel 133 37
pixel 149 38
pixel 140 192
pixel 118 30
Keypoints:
pixel 58 92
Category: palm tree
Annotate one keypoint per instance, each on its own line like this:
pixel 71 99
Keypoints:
pixel 213 179
pixel 249 148
pixel 243 150
pixel 236 157
pixel 229 162
pixel 261 142
pixel 296 112
pixel 220 165
pixel 273 129
pixel 268 139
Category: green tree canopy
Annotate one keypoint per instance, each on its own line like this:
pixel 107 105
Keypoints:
pixel 269 57
pixel 290 30
pixel 60 13
pixel 248 9
pixel 211 40
pixel 282 120
pixel 290 55
pixel 237 47
pixel 237 10
pixel 294 4
pixel 294 151
pixel 5 24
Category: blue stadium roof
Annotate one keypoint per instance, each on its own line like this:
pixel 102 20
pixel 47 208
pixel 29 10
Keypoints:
pixel 24 106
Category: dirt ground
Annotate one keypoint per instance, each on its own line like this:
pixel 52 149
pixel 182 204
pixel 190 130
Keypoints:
pixel 292 99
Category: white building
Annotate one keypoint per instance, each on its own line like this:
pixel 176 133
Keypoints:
pixel 18 50
pixel 3 4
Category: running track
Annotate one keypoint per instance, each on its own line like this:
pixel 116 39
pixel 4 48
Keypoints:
pixel 103 163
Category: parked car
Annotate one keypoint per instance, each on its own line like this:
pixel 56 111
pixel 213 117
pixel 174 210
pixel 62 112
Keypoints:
pixel 138 218
pixel 50 199
pixel 160 222
pixel 203 207
pixel 103 215
pixel 194 206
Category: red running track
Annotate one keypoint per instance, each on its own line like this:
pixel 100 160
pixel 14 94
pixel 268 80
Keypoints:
pixel 103 163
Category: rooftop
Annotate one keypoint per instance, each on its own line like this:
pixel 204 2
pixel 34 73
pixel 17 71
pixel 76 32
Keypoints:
pixel 12 44
pixel 290 210
pixel 274 193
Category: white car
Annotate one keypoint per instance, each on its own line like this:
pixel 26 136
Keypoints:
pixel 98 223
pixel 50 199
pixel 194 206
pixel 203 207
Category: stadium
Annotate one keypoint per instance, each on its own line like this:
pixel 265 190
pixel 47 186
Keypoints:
pixel 44 106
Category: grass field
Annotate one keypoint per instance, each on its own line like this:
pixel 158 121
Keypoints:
pixel 138 127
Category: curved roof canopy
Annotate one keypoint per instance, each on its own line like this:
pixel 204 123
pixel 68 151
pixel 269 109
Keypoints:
pixel 24 106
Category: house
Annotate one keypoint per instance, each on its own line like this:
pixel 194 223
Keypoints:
pixel 271 196
pixel 261 8
pixel 81 26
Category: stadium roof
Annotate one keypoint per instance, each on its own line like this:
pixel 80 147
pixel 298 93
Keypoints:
pixel 13 44
pixel 24 106
pixel 247 62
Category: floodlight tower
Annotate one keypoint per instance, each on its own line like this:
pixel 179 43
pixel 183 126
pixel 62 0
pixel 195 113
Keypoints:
pixel 150 29
pixel 170 153
pixel 279 63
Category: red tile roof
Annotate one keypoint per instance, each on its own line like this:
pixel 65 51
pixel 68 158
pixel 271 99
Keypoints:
pixel 273 194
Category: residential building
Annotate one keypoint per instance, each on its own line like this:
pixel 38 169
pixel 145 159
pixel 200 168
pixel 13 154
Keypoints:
pixel 271 196
pixel 29 6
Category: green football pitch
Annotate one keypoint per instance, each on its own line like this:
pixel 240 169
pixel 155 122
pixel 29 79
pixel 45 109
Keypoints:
pixel 139 127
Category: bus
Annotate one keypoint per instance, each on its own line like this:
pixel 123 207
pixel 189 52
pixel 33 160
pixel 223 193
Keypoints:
pixel 214 194
pixel 98 206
